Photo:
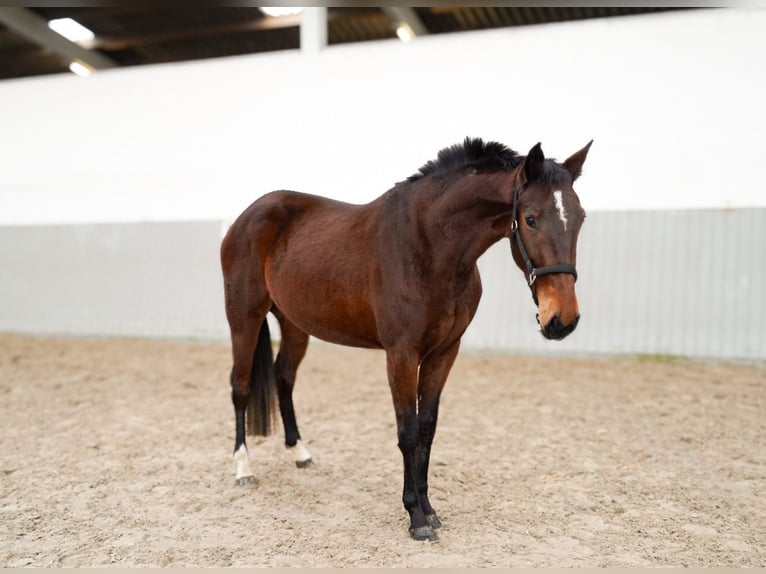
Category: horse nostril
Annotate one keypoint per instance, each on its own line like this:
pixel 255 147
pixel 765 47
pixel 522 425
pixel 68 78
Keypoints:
pixel 555 329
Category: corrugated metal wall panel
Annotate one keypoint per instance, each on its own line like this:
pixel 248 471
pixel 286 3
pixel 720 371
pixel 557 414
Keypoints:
pixel 655 282
pixel 660 282
pixel 153 279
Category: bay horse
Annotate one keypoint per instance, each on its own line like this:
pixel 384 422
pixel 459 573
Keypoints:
pixel 397 274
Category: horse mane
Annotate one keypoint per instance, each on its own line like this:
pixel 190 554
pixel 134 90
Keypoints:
pixel 487 155
pixel 473 151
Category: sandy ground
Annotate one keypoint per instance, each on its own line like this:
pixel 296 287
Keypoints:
pixel 118 452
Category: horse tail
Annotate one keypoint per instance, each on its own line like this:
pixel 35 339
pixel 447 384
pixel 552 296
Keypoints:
pixel 261 408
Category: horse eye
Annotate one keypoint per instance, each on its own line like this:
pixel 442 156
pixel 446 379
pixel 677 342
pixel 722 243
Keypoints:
pixel 531 221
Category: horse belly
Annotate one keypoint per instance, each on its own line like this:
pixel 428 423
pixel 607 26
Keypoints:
pixel 324 291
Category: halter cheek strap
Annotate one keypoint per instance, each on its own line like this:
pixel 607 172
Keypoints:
pixel 533 272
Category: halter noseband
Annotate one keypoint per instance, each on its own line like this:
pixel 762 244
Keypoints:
pixel 533 272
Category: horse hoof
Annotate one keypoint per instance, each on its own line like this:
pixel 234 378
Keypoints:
pixel 304 463
pixel 423 533
pixel 434 521
pixel 246 480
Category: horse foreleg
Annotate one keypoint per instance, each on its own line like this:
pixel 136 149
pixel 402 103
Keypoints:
pixel 402 378
pixel 431 378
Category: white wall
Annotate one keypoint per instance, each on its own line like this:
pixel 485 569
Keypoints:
pixel 674 102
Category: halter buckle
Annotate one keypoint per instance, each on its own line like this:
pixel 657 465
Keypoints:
pixel 532 277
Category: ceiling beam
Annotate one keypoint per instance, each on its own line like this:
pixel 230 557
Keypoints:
pixel 262 23
pixel 406 15
pixel 196 32
pixel 28 24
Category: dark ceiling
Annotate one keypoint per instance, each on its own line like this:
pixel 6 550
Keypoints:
pixel 143 34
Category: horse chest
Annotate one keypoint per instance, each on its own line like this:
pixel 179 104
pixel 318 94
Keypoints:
pixel 446 313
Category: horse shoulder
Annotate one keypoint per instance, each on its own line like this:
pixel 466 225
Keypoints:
pixel 466 303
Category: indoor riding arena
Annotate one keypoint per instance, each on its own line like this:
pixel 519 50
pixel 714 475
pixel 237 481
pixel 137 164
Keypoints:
pixel 636 440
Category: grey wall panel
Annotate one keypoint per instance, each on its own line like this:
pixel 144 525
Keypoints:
pixel 660 282
pixel 655 282
pixel 143 279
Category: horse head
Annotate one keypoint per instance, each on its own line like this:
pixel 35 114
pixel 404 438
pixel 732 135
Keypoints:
pixel 546 223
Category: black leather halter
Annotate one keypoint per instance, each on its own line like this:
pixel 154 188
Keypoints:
pixel 533 272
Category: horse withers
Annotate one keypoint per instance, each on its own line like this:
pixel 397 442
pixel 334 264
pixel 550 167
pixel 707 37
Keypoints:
pixel 397 274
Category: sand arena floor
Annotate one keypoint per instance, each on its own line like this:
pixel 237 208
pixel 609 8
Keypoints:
pixel 118 452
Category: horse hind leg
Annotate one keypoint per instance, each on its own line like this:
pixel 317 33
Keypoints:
pixel 292 349
pixel 253 392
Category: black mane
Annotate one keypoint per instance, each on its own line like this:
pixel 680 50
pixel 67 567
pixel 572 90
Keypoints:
pixel 487 155
pixel 473 151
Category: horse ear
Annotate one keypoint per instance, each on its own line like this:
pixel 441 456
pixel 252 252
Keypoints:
pixel 573 164
pixel 533 163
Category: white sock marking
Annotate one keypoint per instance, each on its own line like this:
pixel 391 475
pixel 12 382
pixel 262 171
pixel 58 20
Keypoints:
pixel 243 462
pixel 557 199
pixel 300 452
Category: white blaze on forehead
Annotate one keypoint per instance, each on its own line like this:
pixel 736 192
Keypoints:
pixel 557 199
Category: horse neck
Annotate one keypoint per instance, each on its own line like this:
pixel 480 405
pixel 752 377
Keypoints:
pixel 471 214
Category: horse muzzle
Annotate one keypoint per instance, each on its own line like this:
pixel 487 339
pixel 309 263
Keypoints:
pixel 555 329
